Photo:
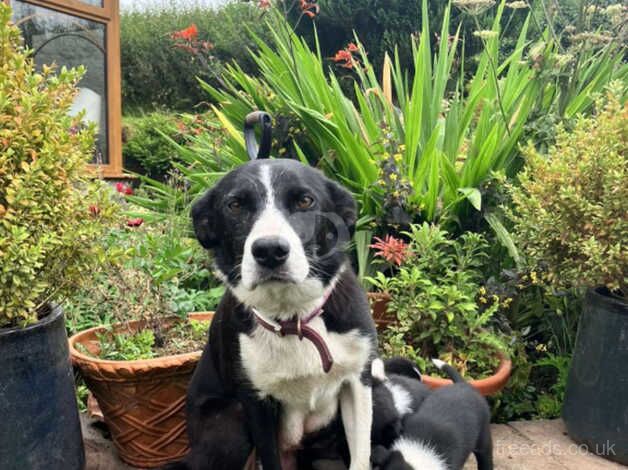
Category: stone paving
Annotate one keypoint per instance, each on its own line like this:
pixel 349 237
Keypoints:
pixel 524 445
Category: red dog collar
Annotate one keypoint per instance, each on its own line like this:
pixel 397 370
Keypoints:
pixel 299 327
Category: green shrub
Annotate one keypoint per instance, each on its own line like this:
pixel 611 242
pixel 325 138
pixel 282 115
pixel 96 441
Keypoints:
pixel 50 214
pixel 145 148
pixel 157 74
pixel 570 210
pixel 442 308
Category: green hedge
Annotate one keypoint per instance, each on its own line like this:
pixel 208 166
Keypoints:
pixel 156 74
pixel 145 148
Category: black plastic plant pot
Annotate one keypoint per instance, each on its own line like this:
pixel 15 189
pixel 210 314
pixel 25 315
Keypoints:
pixel 39 420
pixel 596 399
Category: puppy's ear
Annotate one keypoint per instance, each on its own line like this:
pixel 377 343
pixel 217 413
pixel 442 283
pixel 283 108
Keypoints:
pixel 379 456
pixel 346 207
pixel 203 219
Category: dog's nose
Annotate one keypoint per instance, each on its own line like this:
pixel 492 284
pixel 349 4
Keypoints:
pixel 270 252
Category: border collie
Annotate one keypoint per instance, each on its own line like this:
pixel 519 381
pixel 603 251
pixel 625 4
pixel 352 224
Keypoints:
pixel 451 423
pixel 291 344
pixel 397 392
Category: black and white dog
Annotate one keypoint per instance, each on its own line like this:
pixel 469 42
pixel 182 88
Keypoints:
pixel 450 424
pixel 291 344
pixel 397 393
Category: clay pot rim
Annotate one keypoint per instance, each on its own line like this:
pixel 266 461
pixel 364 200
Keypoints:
pixel 486 386
pixel 174 360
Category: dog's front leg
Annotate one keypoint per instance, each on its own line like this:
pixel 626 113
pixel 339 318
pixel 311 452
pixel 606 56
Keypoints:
pixel 356 406
pixel 263 417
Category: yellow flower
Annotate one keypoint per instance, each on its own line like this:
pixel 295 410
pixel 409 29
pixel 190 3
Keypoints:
pixel 398 157
pixel 483 300
pixel 533 278
pixel 482 291
pixel 394 177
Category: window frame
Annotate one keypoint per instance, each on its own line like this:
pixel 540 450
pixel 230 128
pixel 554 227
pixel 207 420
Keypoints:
pixel 109 15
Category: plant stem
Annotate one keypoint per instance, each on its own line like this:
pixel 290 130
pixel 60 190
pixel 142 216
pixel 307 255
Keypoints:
pixel 494 74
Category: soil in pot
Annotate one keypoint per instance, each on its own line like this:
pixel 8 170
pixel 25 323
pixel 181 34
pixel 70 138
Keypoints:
pixel 143 401
pixel 40 423
pixel 179 337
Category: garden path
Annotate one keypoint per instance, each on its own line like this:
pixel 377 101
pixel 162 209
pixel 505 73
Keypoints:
pixel 523 445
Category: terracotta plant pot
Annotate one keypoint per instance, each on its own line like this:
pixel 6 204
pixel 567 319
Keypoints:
pixel 143 401
pixel 488 386
pixel 379 309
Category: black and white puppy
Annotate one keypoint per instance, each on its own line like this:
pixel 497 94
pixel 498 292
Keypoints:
pixel 277 230
pixel 397 392
pixel 451 423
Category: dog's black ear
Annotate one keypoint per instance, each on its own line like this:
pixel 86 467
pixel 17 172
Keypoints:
pixel 379 456
pixel 203 219
pixel 346 207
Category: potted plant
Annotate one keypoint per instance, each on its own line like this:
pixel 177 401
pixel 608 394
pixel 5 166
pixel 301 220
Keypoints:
pixel 139 360
pixel 47 235
pixel 570 217
pixel 392 252
pixel 442 309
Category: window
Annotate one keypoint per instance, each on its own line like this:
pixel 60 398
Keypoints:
pixel 82 32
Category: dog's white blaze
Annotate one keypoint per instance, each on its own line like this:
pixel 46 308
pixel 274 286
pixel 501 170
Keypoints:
pixel 419 455
pixel 401 398
pixel 290 370
pixel 277 298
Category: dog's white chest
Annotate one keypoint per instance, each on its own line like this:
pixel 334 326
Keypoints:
pixel 290 369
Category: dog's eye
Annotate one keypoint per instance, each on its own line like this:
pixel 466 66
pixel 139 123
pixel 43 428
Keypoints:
pixel 235 206
pixel 305 202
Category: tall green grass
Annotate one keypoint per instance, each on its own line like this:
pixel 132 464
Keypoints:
pixel 455 124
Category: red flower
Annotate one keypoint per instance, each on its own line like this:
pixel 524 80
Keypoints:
pixel 391 249
pixel 352 47
pixel 264 4
pixel 189 34
pixel 310 9
pixel 124 189
pixel 94 209
pixel 342 55
pixel 134 222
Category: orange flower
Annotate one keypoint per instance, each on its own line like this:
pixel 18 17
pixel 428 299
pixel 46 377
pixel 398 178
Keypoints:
pixel 391 249
pixel 189 34
pixel 343 56
pixel 352 47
